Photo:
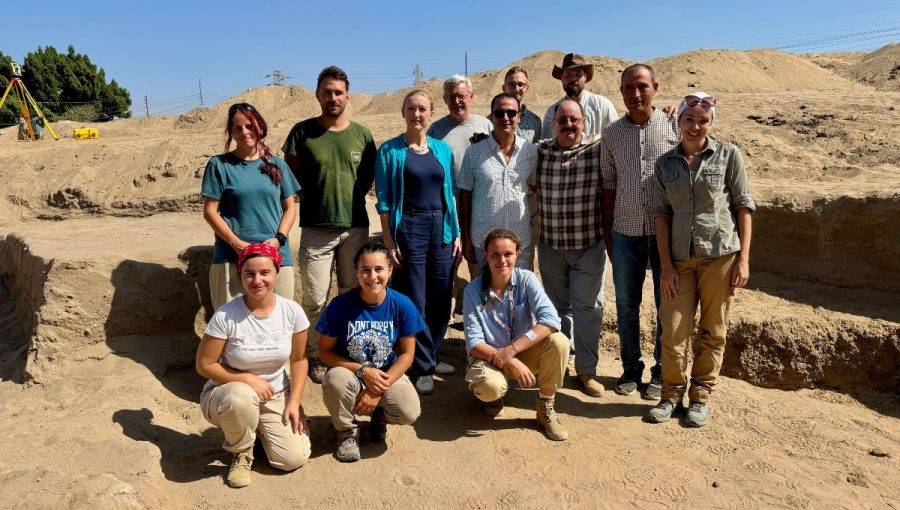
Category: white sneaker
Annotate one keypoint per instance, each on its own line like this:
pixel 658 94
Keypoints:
pixel 444 369
pixel 425 384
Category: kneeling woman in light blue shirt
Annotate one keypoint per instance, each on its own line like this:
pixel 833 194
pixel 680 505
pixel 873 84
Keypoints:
pixel 512 332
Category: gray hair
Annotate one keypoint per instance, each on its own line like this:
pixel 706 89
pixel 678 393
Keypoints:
pixel 453 81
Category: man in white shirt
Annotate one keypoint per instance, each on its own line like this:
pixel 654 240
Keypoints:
pixel 599 111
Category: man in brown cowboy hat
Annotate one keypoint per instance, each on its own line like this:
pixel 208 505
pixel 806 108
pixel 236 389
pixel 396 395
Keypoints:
pixel 599 112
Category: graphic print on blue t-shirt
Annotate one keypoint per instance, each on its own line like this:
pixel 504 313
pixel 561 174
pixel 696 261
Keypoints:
pixel 371 341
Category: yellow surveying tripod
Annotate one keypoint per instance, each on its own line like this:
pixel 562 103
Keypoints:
pixel 24 100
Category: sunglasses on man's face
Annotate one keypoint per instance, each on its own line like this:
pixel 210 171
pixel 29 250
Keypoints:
pixel 707 102
pixel 500 113
pixel 242 106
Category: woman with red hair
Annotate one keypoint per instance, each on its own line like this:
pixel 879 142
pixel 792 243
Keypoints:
pixel 248 197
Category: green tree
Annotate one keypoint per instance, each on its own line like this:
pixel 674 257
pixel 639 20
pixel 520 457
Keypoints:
pixel 61 82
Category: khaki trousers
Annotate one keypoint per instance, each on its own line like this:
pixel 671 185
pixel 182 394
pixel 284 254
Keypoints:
pixel 706 281
pixel 340 388
pixel 321 249
pixel 235 408
pixel 547 360
pixel 225 283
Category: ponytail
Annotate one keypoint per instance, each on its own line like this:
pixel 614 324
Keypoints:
pixel 269 168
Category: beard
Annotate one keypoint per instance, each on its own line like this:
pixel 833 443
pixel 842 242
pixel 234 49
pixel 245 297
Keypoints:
pixel 333 110
pixel 573 90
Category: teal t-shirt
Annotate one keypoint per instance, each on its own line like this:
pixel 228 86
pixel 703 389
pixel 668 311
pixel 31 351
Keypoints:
pixel 336 171
pixel 249 202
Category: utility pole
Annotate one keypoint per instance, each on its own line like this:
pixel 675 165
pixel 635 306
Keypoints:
pixel 417 74
pixel 200 86
pixel 278 78
pixel 146 106
pixel 467 62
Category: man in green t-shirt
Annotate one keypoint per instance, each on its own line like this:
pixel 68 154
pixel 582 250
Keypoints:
pixel 334 161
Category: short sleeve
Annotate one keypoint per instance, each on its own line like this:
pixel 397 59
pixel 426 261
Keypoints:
pixel 290 143
pixel 410 321
pixel 289 184
pixel 661 204
pixel 299 321
pixel 212 181
pixel 328 324
pixel 467 171
pixel 217 326
pixel 607 163
pixel 738 184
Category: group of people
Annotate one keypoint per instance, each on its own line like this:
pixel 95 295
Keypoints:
pixel 650 188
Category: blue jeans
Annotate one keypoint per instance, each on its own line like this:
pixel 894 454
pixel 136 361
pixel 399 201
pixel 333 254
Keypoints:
pixel 573 280
pixel 426 278
pixel 629 260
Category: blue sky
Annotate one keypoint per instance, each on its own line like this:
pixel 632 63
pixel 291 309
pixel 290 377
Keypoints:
pixel 161 49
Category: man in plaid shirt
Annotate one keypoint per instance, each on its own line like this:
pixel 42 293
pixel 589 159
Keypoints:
pixel 567 184
pixel 630 148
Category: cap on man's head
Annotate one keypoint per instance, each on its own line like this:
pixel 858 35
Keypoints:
pixel 573 60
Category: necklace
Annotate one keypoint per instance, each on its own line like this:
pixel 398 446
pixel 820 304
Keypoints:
pixel 418 149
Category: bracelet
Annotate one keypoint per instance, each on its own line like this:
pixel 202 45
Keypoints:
pixel 513 345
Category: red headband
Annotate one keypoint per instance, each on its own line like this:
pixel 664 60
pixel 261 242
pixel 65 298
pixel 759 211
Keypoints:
pixel 261 248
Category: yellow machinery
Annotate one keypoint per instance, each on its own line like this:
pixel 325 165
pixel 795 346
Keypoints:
pixel 25 99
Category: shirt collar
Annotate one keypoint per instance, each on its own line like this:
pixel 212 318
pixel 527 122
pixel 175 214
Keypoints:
pixel 711 146
pixel 513 282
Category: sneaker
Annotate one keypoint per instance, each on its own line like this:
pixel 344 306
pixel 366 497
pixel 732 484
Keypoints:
pixel 347 450
pixel 697 414
pixel 661 412
pixel 425 384
pixel 239 472
pixel 494 408
pixel 590 385
pixel 377 431
pixel 444 369
pixel 628 383
pixel 654 389
pixel 547 417
pixel 317 370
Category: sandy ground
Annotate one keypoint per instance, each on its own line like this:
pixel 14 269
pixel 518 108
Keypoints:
pixel 102 299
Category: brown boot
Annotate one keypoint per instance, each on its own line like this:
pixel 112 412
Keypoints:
pixel 239 472
pixel 547 417
pixel 590 385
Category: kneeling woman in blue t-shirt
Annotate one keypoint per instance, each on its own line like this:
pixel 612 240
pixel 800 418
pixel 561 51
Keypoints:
pixel 243 352
pixel 367 337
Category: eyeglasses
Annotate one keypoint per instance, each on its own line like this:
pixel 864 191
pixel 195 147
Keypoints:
pixel 457 97
pixel 516 84
pixel 240 106
pixel 568 120
pixel 707 102
pixel 500 113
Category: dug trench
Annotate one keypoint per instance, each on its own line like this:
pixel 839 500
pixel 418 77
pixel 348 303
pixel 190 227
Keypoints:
pixel 148 300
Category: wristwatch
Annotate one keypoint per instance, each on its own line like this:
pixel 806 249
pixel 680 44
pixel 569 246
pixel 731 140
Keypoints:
pixel 359 373
pixel 281 238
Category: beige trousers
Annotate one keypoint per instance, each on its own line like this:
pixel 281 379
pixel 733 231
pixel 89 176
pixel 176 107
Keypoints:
pixel 235 408
pixel 225 283
pixel 547 360
pixel 340 388
pixel 706 281
pixel 321 249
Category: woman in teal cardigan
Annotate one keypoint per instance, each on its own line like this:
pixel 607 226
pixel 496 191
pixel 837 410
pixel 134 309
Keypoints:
pixel 415 187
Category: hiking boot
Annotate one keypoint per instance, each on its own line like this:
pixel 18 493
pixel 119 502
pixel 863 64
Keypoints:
pixel 591 386
pixel 347 449
pixel 377 431
pixel 628 383
pixel 547 417
pixel 239 472
pixel 425 384
pixel 697 415
pixel 654 388
pixel 661 412
pixel 317 370
pixel 494 408
pixel 444 369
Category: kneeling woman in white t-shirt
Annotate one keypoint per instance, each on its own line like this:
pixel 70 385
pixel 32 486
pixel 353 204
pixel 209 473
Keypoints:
pixel 367 338
pixel 243 352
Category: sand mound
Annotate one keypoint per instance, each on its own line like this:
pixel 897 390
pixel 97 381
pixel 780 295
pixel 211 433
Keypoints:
pixel 881 68
pixel 837 62
pixel 719 71
pixel 278 105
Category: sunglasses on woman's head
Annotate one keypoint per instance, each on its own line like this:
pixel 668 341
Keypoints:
pixel 241 106
pixel 707 102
